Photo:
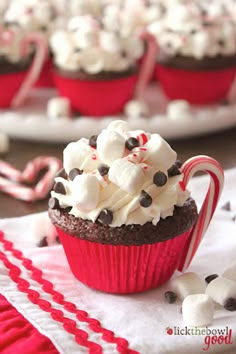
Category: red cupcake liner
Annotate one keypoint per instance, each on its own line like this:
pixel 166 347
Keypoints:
pixel 96 98
pixel 10 84
pixel 46 76
pixel 122 269
pixel 197 87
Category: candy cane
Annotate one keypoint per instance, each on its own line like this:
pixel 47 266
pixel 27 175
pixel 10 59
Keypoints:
pixel 39 58
pixel 11 172
pixel 148 64
pixel 13 187
pixel 213 168
pixel 16 190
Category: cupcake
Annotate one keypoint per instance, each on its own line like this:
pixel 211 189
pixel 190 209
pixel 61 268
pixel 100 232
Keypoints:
pixel 19 65
pixel 95 67
pixel 39 16
pixel 197 51
pixel 120 209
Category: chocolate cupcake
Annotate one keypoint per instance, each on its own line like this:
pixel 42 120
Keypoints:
pixel 95 67
pixel 197 52
pixel 120 209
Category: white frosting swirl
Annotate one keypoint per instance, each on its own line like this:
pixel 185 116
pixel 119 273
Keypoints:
pixel 131 171
pixel 86 45
pixel 196 28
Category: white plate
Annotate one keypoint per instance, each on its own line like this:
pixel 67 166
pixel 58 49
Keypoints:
pixel 31 122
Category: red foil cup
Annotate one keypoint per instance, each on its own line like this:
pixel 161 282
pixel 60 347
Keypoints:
pixel 96 98
pixel 46 76
pixel 197 87
pixel 122 269
pixel 10 84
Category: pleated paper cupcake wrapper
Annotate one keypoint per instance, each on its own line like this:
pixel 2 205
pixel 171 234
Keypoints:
pixel 122 269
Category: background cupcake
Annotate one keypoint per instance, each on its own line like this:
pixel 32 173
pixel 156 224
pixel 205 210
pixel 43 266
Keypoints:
pixel 197 51
pixel 119 202
pixel 95 67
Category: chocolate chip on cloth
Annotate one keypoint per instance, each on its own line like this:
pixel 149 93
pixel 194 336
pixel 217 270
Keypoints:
pixel 170 296
pixel 230 304
pixel 211 277
pixel 43 242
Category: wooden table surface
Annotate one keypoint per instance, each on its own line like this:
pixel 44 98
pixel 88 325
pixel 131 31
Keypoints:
pixel 221 146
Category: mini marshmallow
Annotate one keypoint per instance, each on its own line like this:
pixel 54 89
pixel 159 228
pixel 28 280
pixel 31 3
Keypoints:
pixel 126 175
pixel 136 108
pixel 85 192
pixel 159 153
pixel 230 272
pixel 178 109
pixel 42 227
pixel 110 146
pixel 58 107
pixel 197 310
pixel 4 143
pixel 188 284
pixel 221 289
pixel 80 155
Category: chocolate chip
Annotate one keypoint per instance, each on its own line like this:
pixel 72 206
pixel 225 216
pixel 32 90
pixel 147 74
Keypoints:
pixel 230 304
pixel 103 169
pixel 159 179
pixel 193 31
pixel 224 102
pixel 226 206
pixel 43 242
pixel 178 163
pixel 145 200
pixel 170 297
pixel 93 141
pixel 62 173
pixel 234 218
pixel 58 240
pixel 207 24
pixel 59 188
pixel 75 172
pixel 53 203
pixel 173 171
pixel 211 277
pixel 43 28
pixel 131 143
pixel 105 217
pixel 221 42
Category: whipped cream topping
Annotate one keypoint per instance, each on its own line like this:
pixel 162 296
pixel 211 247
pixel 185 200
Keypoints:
pixel 132 176
pixel 87 46
pixel 196 28
pixel 33 16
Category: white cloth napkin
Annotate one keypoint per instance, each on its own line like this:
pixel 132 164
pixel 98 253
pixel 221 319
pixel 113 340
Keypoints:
pixel 140 318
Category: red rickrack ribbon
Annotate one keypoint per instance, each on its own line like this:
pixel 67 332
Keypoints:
pixel 80 336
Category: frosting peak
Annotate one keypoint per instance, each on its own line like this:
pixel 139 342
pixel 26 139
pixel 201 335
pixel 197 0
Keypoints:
pixel 132 175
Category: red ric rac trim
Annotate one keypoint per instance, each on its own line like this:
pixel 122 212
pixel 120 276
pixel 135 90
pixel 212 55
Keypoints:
pixel 80 336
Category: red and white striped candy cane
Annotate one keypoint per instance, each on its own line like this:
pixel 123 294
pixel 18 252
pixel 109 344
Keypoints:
pixel 36 66
pixel 17 190
pixel 32 169
pixel 13 185
pixel 10 172
pixel 147 66
pixel 213 168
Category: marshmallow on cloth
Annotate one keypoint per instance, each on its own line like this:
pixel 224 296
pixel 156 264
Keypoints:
pixel 4 143
pixel 197 310
pixel 188 284
pixel 230 272
pixel 58 107
pixel 221 290
pixel 43 228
